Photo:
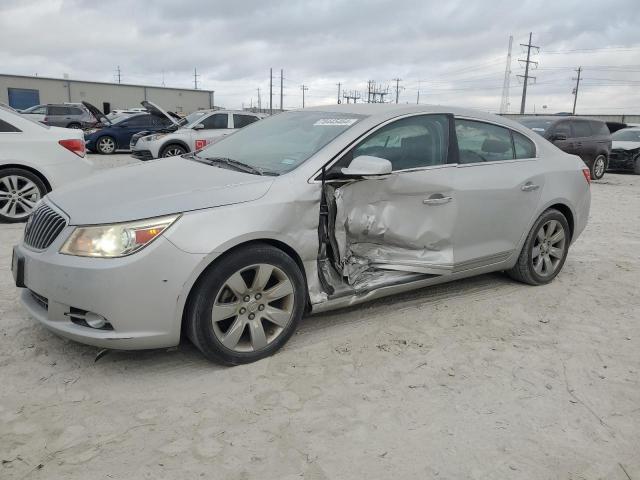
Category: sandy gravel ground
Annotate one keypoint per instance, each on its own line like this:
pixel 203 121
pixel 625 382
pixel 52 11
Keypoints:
pixel 481 379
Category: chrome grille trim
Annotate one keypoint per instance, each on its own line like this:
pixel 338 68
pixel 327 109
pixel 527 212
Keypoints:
pixel 43 227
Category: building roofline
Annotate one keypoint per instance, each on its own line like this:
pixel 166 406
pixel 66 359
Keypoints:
pixel 73 80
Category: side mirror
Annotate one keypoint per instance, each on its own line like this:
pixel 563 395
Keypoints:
pixel 368 166
pixel 199 126
pixel 558 136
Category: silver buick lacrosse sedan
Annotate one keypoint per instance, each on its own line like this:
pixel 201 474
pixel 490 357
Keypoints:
pixel 305 211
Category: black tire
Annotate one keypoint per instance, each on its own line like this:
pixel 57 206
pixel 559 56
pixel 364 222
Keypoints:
pixel 524 270
pixel 599 166
pixel 636 166
pixel 74 125
pixel 172 150
pixel 101 145
pixel 211 286
pixel 21 214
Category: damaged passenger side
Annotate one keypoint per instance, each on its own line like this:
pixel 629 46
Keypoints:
pixel 387 209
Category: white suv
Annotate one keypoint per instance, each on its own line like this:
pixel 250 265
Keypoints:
pixel 35 159
pixel 205 129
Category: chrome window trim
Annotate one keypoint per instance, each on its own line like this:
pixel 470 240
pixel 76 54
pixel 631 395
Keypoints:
pixel 343 152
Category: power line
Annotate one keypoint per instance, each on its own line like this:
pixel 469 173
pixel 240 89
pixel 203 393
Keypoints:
pixel 526 71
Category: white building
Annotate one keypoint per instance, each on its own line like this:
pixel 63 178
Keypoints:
pixel 21 91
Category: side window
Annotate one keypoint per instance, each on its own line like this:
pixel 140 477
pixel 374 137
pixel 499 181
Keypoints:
pixel 562 128
pixel 240 121
pixel 53 110
pixel 75 111
pixel 599 128
pixel 40 110
pixel 581 128
pixel 6 127
pixel 217 121
pixel 413 142
pixel 524 147
pixel 483 142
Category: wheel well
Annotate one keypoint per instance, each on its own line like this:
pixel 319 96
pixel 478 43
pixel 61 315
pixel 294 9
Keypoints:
pixel 566 211
pixel 29 169
pixel 269 241
pixel 174 142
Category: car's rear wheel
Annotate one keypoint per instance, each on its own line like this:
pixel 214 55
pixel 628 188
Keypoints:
pixel 173 151
pixel 20 191
pixel 106 145
pixel 599 167
pixel 544 251
pixel 247 305
pixel 74 125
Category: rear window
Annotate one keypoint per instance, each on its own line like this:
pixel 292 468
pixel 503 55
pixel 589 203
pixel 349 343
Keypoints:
pixel 525 148
pixel 599 128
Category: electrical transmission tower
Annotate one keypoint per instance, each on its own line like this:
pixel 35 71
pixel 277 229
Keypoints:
pixel 526 75
pixel 504 104
pixel 352 95
pixel 376 93
pixel 575 90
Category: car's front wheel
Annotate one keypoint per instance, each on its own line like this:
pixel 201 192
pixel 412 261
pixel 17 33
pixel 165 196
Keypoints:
pixel 173 151
pixel 247 305
pixel 106 145
pixel 544 251
pixel 599 167
pixel 20 191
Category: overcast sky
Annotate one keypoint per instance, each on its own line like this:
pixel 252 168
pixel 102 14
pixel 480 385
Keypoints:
pixel 452 52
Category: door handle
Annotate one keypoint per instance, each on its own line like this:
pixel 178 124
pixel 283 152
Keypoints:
pixel 437 200
pixel 529 187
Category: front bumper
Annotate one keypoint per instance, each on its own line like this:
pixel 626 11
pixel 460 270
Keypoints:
pixel 140 295
pixel 623 160
pixel 142 154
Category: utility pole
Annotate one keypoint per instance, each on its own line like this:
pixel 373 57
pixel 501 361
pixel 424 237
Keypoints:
pixel 281 89
pixel 504 104
pixel 195 78
pixel 259 102
pixel 575 90
pixel 213 99
pixel 397 80
pixel 118 73
pixel 271 91
pixel 304 88
pixel 369 84
pixel 526 71
pixel 418 96
pixel 339 85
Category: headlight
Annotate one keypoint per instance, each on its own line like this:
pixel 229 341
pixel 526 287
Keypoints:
pixel 118 240
pixel 151 138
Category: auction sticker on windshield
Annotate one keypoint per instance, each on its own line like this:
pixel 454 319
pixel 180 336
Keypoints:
pixel 330 122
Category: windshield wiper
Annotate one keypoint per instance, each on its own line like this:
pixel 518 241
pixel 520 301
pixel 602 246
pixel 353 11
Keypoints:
pixel 243 167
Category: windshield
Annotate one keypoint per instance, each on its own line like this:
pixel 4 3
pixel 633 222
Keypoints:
pixel 282 142
pixel 627 135
pixel 538 125
pixel 193 118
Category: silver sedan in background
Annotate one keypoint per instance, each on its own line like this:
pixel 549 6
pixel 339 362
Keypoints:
pixel 305 211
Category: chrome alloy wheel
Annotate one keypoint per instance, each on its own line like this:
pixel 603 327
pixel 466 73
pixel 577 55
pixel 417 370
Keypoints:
pixel 174 152
pixel 18 196
pixel 549 248
pixel 252 308
pixel 598 167
pixel 106 145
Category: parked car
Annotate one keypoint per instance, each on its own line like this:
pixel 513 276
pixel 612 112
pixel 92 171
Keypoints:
pixel 68 115
pixel 35 159
pixel 116 134
pixel 625 152
pixel 209 127
pixel 590 139
pixel 305 211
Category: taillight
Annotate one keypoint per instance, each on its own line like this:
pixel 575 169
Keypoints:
pixel 587 175
pixel 74 145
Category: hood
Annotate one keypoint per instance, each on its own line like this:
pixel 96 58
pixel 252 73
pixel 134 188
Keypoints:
pixel 97 113
pixel 624 145
pixel 155 188
pixel 154 109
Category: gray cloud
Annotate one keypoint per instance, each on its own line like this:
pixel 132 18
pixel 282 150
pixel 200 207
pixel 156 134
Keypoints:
pixel 454 51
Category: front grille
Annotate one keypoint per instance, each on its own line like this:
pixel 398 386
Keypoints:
pixel 42 301
pixel 43 227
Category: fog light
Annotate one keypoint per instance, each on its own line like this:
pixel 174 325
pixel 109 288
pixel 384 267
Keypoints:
pixel 94 320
